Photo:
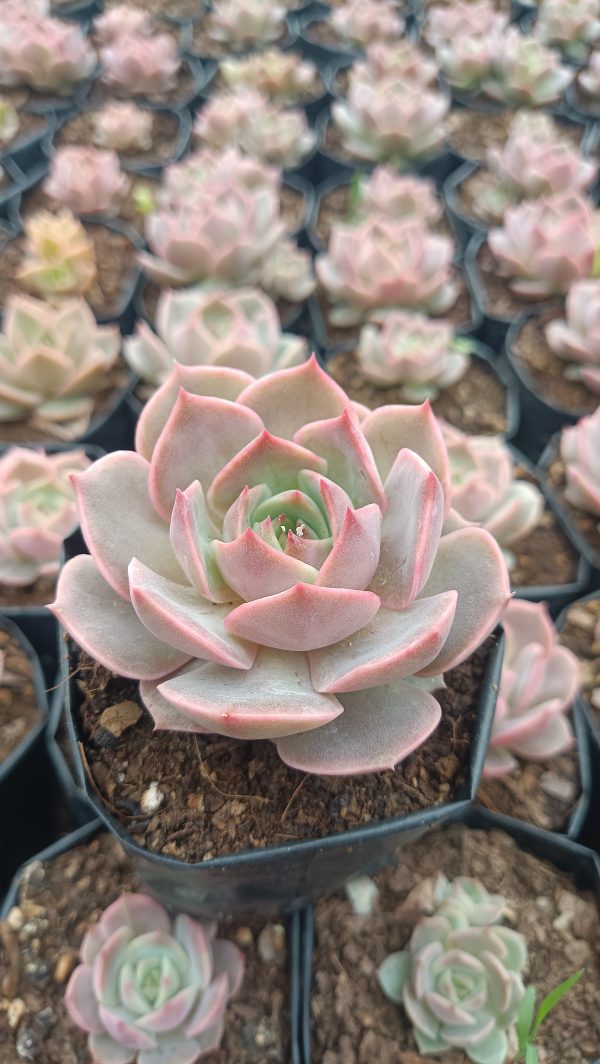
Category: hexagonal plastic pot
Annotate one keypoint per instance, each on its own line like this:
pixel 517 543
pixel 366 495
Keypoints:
pixel 280 876
pixel 565 854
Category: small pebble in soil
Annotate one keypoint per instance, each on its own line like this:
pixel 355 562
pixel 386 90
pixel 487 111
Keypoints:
pixel 152 798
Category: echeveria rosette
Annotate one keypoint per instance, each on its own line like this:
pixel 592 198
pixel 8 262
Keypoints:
pixel 151 990
pixel 577 339
pixel 285 77
pixel 138 65
pixel 524 72
pixel 399 197
pixel 43 53
pixel 87 180
pixel 59 258
pixel 122 20
pixel 415 353
pixel 486 490
pixel 243 24
pixel 539 683
pixel 270 568
pixel 264 130
pixel 460 983
pixel 403 60
pixel 37 511
pixel 574 28
pixel 197 326
pixel 447 23
pixel 361 22
pixel 580 452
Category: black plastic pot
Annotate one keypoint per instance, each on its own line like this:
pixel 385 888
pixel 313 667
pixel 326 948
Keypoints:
pixel 587 552
pixel 332 166
pixel 479 353
pixel 282 876
pixel 464 226
pixel 78 11
pixel 540 418
pixel 10 189
pixel 563 853
pixel 45 103
pixel 555 595
pixel 134 165
pixel 577 108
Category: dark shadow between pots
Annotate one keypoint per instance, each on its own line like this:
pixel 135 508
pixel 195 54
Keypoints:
pixel 283 876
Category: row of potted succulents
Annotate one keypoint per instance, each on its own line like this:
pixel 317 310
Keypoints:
pixel 278 665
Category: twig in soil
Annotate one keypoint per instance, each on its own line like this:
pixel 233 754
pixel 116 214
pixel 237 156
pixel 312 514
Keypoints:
pixel 225 794
pixel 9 984
pixel 86 768
pixel 295 792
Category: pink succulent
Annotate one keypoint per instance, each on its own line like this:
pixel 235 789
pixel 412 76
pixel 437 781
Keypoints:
pixel 577 339
pixel 277 135
pixel 122 126
pixel 37 511
pixel 403 60
pixel 399 196
pixel 413 352
pixel 87 180
pixel 463 19
pixel 361 22
pixel 203 327
pixel 263 560
pixel 382 265
pixel 589 79
pixel 150 989
pixel 200 175
pixel 45 54
pixel 135 65
pixel 530 168
pixel 122 20
pixel 539 683
pixel 580 451
pixel 391 120
pixel 525 72
pixel 545 245
pixel 242 24
pixel 467 62
pixel 486 491
pixel 572 27
pixel 285 77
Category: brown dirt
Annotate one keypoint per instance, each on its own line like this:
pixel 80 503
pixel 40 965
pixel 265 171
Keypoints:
pixel 335 208
pixel 471 133
pixel 587 524
pixel 459 315
pixel 543 793
pixel 353 1023
pixel 544 556
pixel 178 96
pixel 499 300
pixel 225 796
pixel 58 901
pixel 28 125
pixel 19 711
pixel 547 370
pixel 37 200
pixel 115 260
pixel 29 432
pixel 39 593
pixel 302 98
pixel 578 634
pixel 475 404
pixel 203 44
pixel 79 129
pixel 333 143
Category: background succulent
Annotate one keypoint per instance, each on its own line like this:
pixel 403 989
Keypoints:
pixel 398 197
pixel 525 72
pixel 264 130
pixel 263 560
pixel 539 682
pixel 37 511
pixel 447 23
pixel 414 352
pixel 150 989
pixel 43 53
pixel 580 451
pixel 285 77
pixel 577 339
pixel 122 20
pixel 59 258
pixel 87 180
pixel 403 60
pixel 123 126
pixel 572 27
pixel 360 22
pixel 238 328
pixel 241 24
pixel 134 65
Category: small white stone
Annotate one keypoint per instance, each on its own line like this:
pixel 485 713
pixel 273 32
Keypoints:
pixel 15 1012
pixel 15 919
pixel 152 798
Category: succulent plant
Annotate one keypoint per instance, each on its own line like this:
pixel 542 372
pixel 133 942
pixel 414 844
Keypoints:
pixel 528 168
pixel 460 983
pixel 539 683
pixel 467 62
pixel 414 352
pixel 242 24
pixel 52 359
pixel 361 22
pixel 382 265
pixel 122 20
pixel 577 339
pixel 87 180
pixel 391 120
pixel 485 489
pixel 588 81
pixel 264 130
pixel 37 511
pixel 402 60
pixel 525 72
pixel 189 183
pixel 10 122
pixel 59 257
pixel 545 245
pixel 399 196
pixel 287 272
pixel 572 27
pixel 580 451
pixel 44 53
pixel 141 66
pixel 447 23
pixel 198 327
pixel 464 899
pixel 123 126
pixel 285 77
pixel 150 989
pixel 265 559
